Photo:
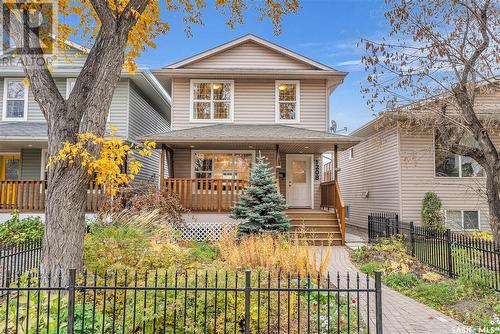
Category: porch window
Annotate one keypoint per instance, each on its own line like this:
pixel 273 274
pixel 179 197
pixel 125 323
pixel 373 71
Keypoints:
pixel 212 100
pixel 287 101
pixel 453 165
pixel 462 219
pixel 15 101
pixel 222 165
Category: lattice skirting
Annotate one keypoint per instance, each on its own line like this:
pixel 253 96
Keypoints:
pixel 207 231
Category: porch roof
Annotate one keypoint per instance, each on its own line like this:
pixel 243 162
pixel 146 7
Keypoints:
pixel 253 134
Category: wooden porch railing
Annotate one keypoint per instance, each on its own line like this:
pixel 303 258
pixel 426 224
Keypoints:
pixel 331 197
pixel 29 196
pixel 328 172
pixel 206 194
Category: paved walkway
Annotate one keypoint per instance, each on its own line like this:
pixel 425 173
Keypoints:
pixel 400 313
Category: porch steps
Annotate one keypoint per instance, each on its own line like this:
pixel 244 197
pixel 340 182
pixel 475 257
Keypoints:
pixel 315 226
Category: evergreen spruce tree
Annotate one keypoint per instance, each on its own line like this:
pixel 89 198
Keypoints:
pixel 261 206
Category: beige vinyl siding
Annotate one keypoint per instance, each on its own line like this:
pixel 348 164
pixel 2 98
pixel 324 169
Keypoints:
pixel 250 55
pixel 31 161
pixel 254 103
pixel 418 177
pixel 145 119
pixel 374 169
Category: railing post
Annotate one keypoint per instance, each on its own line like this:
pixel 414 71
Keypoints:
pixel 450 256
pixel 248 276
pixel 397 223
pixel 378 301
pixel 412 239
pixel 71 300
pixel 387 222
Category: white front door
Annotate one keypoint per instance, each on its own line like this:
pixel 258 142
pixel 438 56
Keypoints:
pixel 298 181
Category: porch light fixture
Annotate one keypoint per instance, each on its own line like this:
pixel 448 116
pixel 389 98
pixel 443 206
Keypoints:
pixel 216 86
pixel 282 86
pixel 192 146
pixel 306 147
pixel 250 146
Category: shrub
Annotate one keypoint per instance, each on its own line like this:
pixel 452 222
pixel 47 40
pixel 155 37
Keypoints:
pixel 144 197
pixel 274 253
pixel 482 235
pixel 401 280
pixel 431 212
pixel 204 251
pixel 16 230
pixel 371 267
pixel 137 242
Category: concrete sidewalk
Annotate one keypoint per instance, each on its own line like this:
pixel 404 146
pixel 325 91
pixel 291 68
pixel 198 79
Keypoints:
pixel 401 314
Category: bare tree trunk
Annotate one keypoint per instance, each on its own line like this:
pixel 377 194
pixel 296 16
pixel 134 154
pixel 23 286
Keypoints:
pixel 493 192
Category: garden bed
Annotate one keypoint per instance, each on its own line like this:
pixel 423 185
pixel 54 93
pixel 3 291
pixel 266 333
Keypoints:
pixel 467 299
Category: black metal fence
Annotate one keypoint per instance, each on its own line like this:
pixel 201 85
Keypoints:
pixel 450 253
pixel 190 302
pixel 19 258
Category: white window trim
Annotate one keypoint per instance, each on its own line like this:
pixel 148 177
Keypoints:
pixel 462 222
pixel 211 120
pixel 459 161
pixel 193 152
pixel 68 85
pixel 43 163
pixel 277 102
pixel 26 101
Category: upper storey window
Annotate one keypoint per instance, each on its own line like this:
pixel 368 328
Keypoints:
pixel 212 100
pixel 15 100
pixel 287 101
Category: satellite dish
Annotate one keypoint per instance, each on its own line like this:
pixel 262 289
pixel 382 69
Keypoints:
pixel 333 127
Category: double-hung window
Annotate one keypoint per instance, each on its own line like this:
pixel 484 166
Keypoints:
pixel 462 219
pixel 453 165
pixel 15 100
pixel 212 100
pixel 287 94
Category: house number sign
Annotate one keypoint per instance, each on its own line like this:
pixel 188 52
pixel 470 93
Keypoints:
pixel 317 170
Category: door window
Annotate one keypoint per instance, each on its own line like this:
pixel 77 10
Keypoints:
pixel 299 170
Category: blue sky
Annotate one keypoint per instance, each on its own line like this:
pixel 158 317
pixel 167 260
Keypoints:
pixel 325 30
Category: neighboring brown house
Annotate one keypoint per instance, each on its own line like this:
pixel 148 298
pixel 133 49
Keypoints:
pixel 395 165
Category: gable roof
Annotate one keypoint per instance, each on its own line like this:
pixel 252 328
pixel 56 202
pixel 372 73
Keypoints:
pixel 254 39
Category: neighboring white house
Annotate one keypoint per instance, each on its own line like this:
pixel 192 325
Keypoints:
pixel 140 106
pixel 394 166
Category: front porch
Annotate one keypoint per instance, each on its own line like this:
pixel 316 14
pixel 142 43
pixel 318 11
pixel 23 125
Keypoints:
pixel 208 168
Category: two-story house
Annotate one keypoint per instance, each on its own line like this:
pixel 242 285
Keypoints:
pixel 242 99
pixel 397 163
pixel 140 106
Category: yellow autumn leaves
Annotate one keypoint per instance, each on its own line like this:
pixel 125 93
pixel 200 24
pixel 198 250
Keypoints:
pixel 107 164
